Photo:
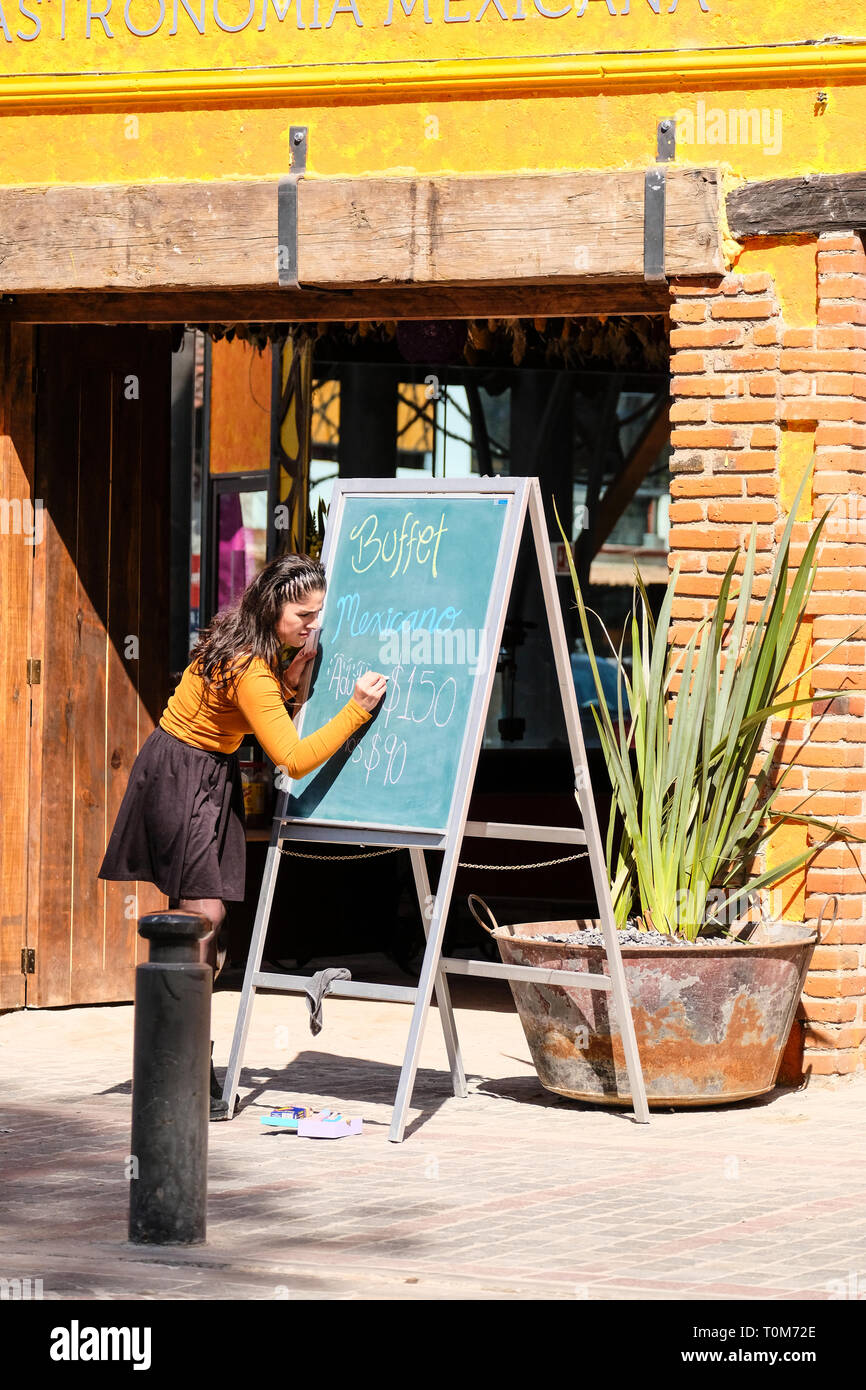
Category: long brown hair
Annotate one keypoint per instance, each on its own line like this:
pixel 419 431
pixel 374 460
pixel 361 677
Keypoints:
pixel 239 634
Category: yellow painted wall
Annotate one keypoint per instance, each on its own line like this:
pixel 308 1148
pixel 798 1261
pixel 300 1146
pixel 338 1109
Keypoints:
pixel 792 263
pixel 491 93
pixel 546 132
pixel 797 450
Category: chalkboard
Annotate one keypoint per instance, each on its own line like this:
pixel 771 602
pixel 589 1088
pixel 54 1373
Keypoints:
pixel 410 580
pixel 426 559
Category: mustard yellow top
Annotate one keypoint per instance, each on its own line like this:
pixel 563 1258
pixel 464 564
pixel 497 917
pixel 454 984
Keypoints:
pixel 218 722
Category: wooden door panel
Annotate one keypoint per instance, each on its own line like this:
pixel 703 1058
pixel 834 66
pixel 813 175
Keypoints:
pixel 119 901
pixel 50 925
pixel 108 564
pixel 84 629
pixel 17 427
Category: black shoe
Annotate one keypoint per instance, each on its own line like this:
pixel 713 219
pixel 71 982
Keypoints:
pixel 219 1108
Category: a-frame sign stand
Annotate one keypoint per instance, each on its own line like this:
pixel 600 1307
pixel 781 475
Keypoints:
pixel 525 497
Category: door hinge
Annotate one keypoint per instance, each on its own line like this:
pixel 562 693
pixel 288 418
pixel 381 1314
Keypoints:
pixel 28 960
pixel 34 671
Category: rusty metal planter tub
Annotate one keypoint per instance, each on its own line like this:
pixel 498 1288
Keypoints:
pixel 711 1021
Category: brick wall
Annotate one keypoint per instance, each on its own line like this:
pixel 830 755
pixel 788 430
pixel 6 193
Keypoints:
pixel 759 391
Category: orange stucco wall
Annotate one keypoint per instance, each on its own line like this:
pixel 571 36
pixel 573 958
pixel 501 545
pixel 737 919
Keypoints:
pixel 481 86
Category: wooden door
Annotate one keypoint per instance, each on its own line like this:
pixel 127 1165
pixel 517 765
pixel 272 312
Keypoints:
pixel 100 625
pixel 17 530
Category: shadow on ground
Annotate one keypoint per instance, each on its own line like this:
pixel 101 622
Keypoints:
pixel 529 1091
pixel 66 1206
pixel 352 1082
pixel 356 1082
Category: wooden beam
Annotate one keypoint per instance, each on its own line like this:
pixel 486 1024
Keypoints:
pixel 626 484
pixel 812 203
pixel 518 229
pixel 138 236
pixel 318 306
pixel 526 228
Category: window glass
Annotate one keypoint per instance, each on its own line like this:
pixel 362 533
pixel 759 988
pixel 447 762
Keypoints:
pixel 241 541
pixel 593 438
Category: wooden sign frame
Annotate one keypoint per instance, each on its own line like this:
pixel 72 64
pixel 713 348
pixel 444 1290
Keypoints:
pixel 523 496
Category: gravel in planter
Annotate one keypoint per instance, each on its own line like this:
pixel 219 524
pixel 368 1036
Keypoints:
pixel 630 936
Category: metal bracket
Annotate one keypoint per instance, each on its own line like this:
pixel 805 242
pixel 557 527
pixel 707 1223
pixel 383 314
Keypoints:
pixel 287 209
pixel 654 203
pixel 654 225
pixel 666 140
pixel 28 960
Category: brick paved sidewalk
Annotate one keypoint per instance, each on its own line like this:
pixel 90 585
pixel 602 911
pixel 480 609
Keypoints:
pixel 511 1193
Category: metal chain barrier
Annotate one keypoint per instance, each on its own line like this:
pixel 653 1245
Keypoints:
pixel 462 864
pixel 373 854
pixel 542 863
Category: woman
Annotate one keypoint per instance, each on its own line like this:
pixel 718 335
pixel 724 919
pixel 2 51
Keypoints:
pixel 181 821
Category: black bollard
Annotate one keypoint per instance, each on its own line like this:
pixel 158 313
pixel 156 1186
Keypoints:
pixel 171 1084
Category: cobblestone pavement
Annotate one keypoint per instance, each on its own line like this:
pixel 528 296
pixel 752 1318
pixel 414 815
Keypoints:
pixel 512 1193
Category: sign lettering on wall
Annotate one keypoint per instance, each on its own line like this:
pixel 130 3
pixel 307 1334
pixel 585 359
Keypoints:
pixel 106 19
pixel 67 37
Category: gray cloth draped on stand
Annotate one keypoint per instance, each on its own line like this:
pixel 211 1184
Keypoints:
pixel 316 988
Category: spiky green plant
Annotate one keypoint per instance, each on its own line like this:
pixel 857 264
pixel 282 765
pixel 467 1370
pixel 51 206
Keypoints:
pixel 316 529
pixel 693 793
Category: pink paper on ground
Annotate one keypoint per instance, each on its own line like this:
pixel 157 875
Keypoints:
pixel 328 1129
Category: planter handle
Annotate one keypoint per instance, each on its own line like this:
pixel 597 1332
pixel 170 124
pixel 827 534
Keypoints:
pixel 834 899
pixel 474 898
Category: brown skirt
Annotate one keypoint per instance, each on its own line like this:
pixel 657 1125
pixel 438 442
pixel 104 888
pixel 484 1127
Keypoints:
pixel 181 822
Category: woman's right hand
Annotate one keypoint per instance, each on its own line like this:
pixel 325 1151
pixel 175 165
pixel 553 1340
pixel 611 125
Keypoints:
pixel 369 689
